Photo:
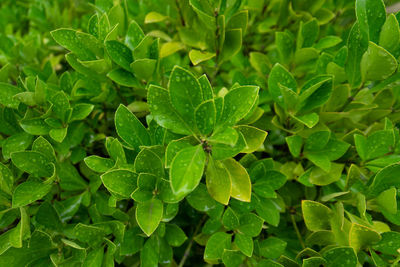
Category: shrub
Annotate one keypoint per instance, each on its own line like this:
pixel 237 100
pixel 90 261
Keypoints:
pixel 185 133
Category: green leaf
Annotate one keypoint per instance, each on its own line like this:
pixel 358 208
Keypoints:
pixel 175 146
pixel 148 215
pixel 15 143
pixel 6 179
pixel 335 257
pixel 317 140
pixel 232 258
pixel 308 33
pixel 280 76
pixel 389 244
pixel 315 92
pixel 134 35
pixel 29 192
pixel 81 111
pixel 149 161
pixel 7 92
pixel 316 215
pixel 389 37
pixel 232 44
pixel 272 247
pixel 206 87
pixel 33 162
pixel 377 63
pixel 239 179
pixel 186 170
pixel 284 43
pixel 230 219
pixel 310 120
pixel 163 111
pixel 99 164
pixel 200 200
pixel 237 104
pixel 185 94
pixel 357 46
pixel 328 42
pixel 216 245
pixel 123 77
pixel 375 145
pixel 218 181
pixel 205 117
pixel 294 143
pixel 119 53
pixel 89 234
pixel 58 135
pixel 35 126
pixel 266 187
pixel 150 253
pixel 22 231
pixel 250 224
pixel 254 138
pixel 94 257
pixel 371 15
pixel 196 56
pixel 361 236
pixel 130 129
pixel 144 68
pixel 121 183
pixel 175 235
pixel 387 200
pixel 385 179
pixel 244 243
pixel 170 48
pixel 81 44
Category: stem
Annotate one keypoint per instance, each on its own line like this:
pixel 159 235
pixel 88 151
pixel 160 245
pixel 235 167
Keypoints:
pixel 189 246
pixel 297 231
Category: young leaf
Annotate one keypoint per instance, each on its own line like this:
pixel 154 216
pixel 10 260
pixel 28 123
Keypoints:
pixel 148 215
pixel 240 180
pixel 186 170
pixel 218 181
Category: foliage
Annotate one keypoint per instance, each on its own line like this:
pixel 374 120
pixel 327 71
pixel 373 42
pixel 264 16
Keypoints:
pixel 172 133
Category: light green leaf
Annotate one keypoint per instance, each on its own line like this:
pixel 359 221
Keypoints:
pixel 144 68
pixel 29 192
pixel 99 164
pixel 196 56
pixel 254 138
pixel 218 181
pixel 33 162
pixel 240 180
pixel 316 215
pixel 186 170
pixel 148 215
pixel 280 76
pixel 361 236
pixel 7 92
pixel 205 117
pixel 120 182
pixel 130 129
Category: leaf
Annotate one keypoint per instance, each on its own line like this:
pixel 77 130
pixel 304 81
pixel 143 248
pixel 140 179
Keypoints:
pixel 315 92
pixel 58 135
pixel 99 164
pixel 361 236
pixel 389 37
pixel 7 92
pixel 120 182
pixel 170 48
pixel 149 161
pixel 316 215
pixel 15 143
pixel 280 76
pixel 144 68
pixel 163 111
pixel 22 231
pixel 317 140
pixel 284 43
pixel 254 138
pixel 294 143
pixel 185 94
pixel 310 120
pixel 89 234
pixel 387 200
pixel 385 179
pixel 200 200
pixel 377 63
pixel 123 77
pixel 218 181
pixel 154 17
pixel 175 235
pixel 308 33
pixel 272 247
pixel 33 162
pixel 371 16
pixel 250 224
pixel 271 181
pixel 232 44
pixel 119 53
pixel 28 192
pixel 244 243
pixel 205 117
pixel 94 257
pixel 216 245
pixel 186 170
pixel 6 179
pixel 237 103
pixel 48 216
pixel 196 56
pixel 148 215
pixel 389 244
pixel 130 129
pixel 336 255
pixel 232 258
pixel 81 111
pixel 240 180
pixel 357 46
pixel 134 35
